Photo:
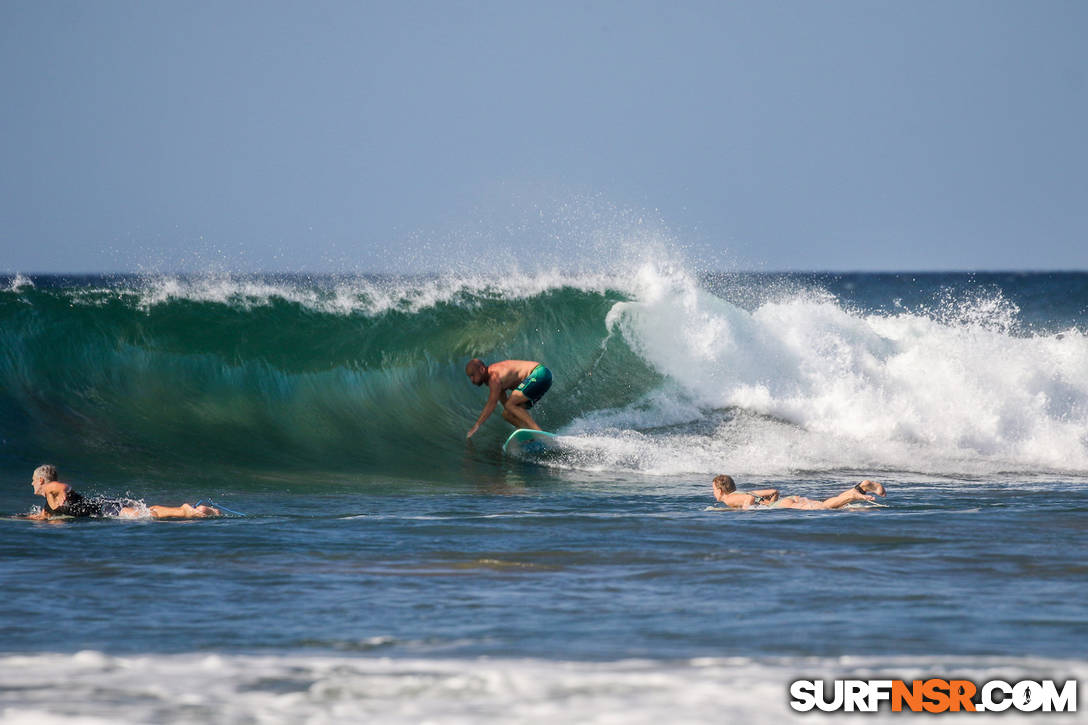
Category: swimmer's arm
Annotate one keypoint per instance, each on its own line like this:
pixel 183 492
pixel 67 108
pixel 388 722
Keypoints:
pixel 36 516
pixel 492 401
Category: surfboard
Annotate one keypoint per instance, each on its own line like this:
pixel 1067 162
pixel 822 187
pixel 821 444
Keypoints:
pixel 525 441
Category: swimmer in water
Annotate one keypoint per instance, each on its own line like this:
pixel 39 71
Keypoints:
pixel 725 491
pixel 62 500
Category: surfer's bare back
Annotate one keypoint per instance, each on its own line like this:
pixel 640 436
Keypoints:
pixel 527 380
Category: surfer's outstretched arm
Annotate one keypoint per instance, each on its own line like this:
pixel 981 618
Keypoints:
pixel 496 391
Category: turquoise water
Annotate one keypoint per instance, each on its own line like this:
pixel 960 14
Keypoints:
pixel 385 568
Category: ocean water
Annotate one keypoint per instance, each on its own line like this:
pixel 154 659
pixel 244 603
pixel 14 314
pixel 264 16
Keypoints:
pixel 383 569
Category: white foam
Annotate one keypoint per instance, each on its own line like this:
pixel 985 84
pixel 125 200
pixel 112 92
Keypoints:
pixel 946 390
pixel 226 688
pixel 350 295
pixel 20 281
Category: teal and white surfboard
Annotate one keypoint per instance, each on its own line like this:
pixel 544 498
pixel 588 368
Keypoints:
pixel 525 441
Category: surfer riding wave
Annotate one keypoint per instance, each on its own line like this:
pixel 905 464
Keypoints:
pixel 527 380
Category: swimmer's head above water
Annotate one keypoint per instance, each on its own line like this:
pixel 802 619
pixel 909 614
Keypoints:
pixel 43 474
pixel 724 484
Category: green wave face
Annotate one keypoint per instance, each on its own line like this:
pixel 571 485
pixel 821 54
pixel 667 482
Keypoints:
pixel 294 374
pixel 655 371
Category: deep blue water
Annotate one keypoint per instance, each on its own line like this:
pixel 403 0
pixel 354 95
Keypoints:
pixel 562 569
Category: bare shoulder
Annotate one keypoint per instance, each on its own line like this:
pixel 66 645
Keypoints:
pixel 739 500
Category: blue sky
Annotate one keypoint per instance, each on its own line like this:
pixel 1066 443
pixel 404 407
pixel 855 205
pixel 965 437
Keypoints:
pixel 386 136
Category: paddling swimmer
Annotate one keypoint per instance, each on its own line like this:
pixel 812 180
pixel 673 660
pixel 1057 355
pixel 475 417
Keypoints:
pixel 725 491
pixel 62 500
pixel 527 380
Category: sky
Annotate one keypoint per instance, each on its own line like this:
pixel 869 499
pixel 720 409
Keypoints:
pixel 400 136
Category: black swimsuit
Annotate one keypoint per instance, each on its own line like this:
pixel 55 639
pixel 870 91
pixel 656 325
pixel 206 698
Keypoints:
pixel 77 505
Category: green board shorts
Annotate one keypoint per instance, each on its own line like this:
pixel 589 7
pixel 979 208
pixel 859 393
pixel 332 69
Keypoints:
pixel 536 384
